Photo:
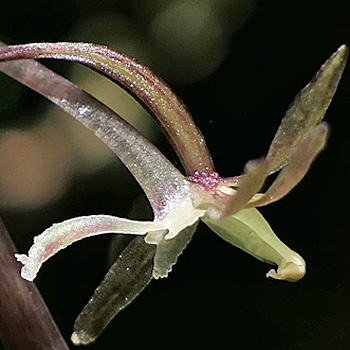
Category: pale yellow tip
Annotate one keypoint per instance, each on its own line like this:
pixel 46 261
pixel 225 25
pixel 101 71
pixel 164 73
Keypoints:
pixel 81 338
pixel 291 272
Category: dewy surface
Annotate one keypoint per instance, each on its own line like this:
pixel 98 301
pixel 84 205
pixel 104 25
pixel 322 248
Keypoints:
pixel 178 202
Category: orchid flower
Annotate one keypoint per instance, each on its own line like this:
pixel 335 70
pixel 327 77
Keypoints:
pixel 179 202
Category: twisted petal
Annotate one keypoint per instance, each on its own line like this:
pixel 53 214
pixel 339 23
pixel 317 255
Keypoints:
pixel 298 165
pixel 59 236
pixel 256 172
pixel 249 231
pixel 298 140
pixel 307 110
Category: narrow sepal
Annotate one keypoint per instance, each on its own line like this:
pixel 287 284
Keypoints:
pixel 155 174
pixel 139 80
pixel 125 280
pixel 307 109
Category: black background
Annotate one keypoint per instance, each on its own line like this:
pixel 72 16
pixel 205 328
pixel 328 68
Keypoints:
pixel 218 295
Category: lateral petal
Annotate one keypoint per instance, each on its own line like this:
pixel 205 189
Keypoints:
pixel 297 167
pixel 255 174
pixel 168 251
pixel 59 236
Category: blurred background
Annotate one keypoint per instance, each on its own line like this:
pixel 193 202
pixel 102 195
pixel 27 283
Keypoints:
pixel 237 64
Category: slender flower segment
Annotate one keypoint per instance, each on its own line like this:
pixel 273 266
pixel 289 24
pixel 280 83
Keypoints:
pixel 168 191
pixel 142 83
pixel 298 165
pixel 158 182
pixel 226 205
pixel 127 277
pixel 166 188
pixel 307 110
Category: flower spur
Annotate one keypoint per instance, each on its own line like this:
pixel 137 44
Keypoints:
pixel 226 205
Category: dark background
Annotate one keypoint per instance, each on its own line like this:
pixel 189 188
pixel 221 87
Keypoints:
pixel 216 295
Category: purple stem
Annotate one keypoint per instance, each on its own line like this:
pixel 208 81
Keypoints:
pixel 25 321
pixel 142 83
pixel 156 175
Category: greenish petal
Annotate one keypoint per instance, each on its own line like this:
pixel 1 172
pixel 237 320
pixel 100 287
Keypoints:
pixel 249 231
pixel 307 109
pixel 125 280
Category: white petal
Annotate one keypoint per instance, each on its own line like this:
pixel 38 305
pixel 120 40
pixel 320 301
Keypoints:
pixel 59 236
pixel 168 251
pixel 181 216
